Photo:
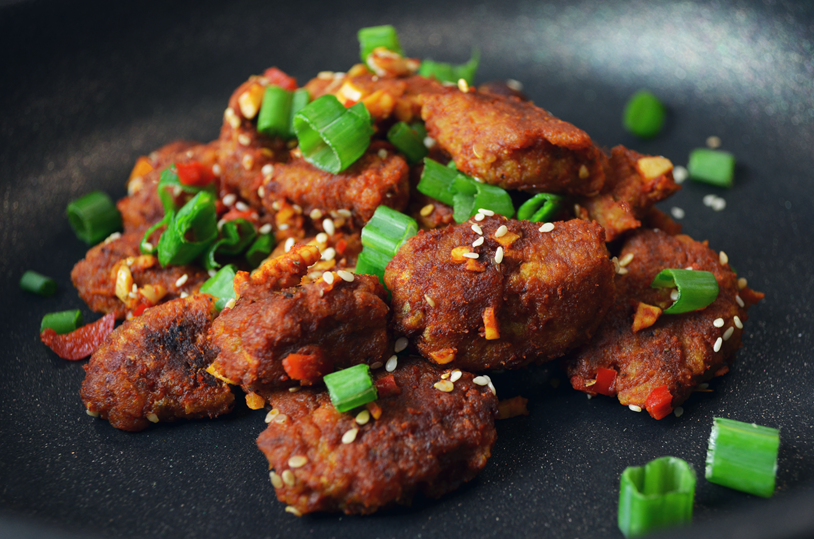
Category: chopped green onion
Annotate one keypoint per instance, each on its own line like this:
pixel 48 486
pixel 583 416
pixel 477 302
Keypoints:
pixel 94 217
pixel 420 130
pixel 33 282
pixel 387 230
pixel 220 286
pixel 332 137
pixel 436 181
pixel 408 142
pixel 350 388
pixel 444 72
pixel 62 322
pixel 189 232
pixel 541 207
pixel 644 114
pixel 657 495
pixel 299 99
pixel 144 246
pixel 260 250
pixel 235 237
pixel 743 456
pixel 274 118
pixel 712 166
pixel 372 262
pixel 170 186
pixel 696 289
pixel 378 36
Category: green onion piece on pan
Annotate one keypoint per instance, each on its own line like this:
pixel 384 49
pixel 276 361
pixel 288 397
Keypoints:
pixel 644 114
pixel 260 250
pixel 408 142
pixel 220 286
pixel 445 72
pixel 696 289
pixel 274 118
pixel 657 495
pixel 235 237
pixel 94 217
pixel 189 232
pixel 350 388
pixel 743 456
pixel 542 207
pixel 332 137
pixel 62 322
pixel 33 282
pixel 712 166
pixel 378 36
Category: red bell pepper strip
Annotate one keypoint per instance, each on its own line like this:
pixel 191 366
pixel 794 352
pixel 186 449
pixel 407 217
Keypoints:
pixel 81 342
pixel 605 381
pixel 195 174
pixel 659 403
pixel 278 77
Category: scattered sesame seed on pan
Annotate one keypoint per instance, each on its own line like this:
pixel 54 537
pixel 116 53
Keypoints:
pixel 480 217
pixel 92 414
pixel 484 211
pixel 677 212
pixel 241 206
pixel 261 191
pixel 345 276
pixel 328 254
pixel 635 408
pixel 267 170
pixel 276 480
pixel 679 411
pixel 444 385
pixel 322 237
pixel 680 174
pixel 626 260
pixel 293 510
pixel 265 229
pixel 328 277
pixel 272 414
pixel 289 478
pixel 722 258
pixel 401 344
pixel 329 227
pixel 471 255
pixel 294 389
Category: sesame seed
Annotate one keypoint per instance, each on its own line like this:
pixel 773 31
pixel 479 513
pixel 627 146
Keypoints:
pixel 445 376
pixel 315 214
pixel 722 258
pixel 289 478
pixel 515 85
pixel 230 304
pixel 216 170
pixel 719 204
pixel 742 283
pixel 325 75
pixel 718 322
pixel 242 206
pixel 625 260
pixel 350 436
pixel 382 153
pixel 293 510
pixel 377 365
pixel 344 213
pixel 455 376
pixel 294 389
pixel 289 243
pixel 717 346
pixel 429 142
pixel 478 242
pixel 679 411
pixel 322 237
pixel 329 254
pixel 547 227
pixel 444 385
pixel 480 217
pixel 737 321
pixel 728 333
pixel 244 139
pixel 132 295
pixel 429 300
pixel 362 417
pixel 265 229
pixel 677 212
pixel 499 255
pixel 280 418
pixel 689 268
pixel 329 227
pixel 484 211
pixel 471 255
pixel 680 174
pixel 392 363
pixel 740 302
pixel 709 200
pixel 272 414
pixel 674 294
pixel 298 461
pixel 492 388
pixel 345 276
pixel 589 396
pixel 275 205
pixel 480 380
pixel 401 344
pixel 148 246
pixel 267 170
pixel 183 295
pixel 328 277
pixel 589 383
pixel 426 210
pixel 635 408
pixel 247 162
pixel 477 229
pixel 113 237
pixel 501 231
pixel 713 142
pixel 92 414
pixel 152 418
pixel 182 280
pixel 463 85
pixel 276 480
pixel 261 191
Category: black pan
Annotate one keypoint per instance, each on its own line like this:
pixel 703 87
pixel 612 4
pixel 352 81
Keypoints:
pixel 87 87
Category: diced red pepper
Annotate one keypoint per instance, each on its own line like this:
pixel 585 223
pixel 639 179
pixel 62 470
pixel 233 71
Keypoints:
pixel 659 403
pixel 307 368
pixel 231 215
pixel 386 386
pixel 278 77
pixel 605 381
pixel 341 245
pixel 81 342
pixel 194 173
pixel 139 310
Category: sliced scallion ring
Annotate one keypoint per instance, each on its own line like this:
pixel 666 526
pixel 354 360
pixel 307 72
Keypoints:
pixel 743 456
pixel 189 232
pixel 540 208
pixel 408 142
pixel 696 289
pixel 94 217
pixel 39 284
pixel 444 72
pixel 350 388
pixel 62 322
pixel 378 36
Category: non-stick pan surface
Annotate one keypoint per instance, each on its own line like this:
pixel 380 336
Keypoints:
pixel 87 87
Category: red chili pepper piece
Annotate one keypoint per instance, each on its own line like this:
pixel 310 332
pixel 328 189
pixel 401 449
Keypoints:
pixel 605 381
pixel 308 368
pixel 386 386
pixel 194 173
pixel 139 310
pixel 341 245
pixel 278 77
pixel 82 342
pixel 659 403
pixel 231 215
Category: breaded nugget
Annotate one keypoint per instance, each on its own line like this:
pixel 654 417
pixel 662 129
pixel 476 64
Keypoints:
pixel 95 277
pixel 151 368
pixel 426 440
pixel 678 351
pixel 547 293
pixel 514 144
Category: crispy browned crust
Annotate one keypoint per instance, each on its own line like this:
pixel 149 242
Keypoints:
pixel 425 441
pixel 154 365
pixel 345 322
pixel 95 279
pixel 513 144
pixel 677 351
pixel 548 294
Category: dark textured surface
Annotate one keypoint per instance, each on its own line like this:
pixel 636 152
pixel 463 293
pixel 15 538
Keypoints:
pixel 87 87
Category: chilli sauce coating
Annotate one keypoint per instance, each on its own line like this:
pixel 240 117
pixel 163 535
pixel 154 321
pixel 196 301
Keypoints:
pixel 514 144
pixel 425 441
pixel 547 294
pixel 152 368
pixel 677 351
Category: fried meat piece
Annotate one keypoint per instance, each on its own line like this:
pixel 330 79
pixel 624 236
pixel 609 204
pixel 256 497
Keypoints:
pixel 634 183
pixel 514 144
pixel 425 440
pixel 379 177
pixel 152 368
pixel 546 295
pixel 106 276
pixel 677 351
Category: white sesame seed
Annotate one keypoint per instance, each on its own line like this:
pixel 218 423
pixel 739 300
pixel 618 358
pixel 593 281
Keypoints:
pixel 92 414
pixel 294 389
pixel 680 174
pixel 689 268
pixel 674 294
pixel 547 227
pixel 480 217
pixel 113 237
pixel 280 418
pixel 742 283
pixel 401 344
pixel 486 212
pixel 244 139
pixel 261 191
pixel 709 200
pixel 350 436
pixel 463 85
pixel 444 385
pixel 267 170
pixel 589 396
pixel 230 304
pixel 212 272
pixel 501 231
pixel 289 478
pixel 382 153
pixel 183 295
pixel 515 85
pixel 429 142
pixel 293 510
pixel 713 142
pixel 635 408
pixel 345 276
pixel 328 277
pixel 329 227
pixel 471 255
pixel 392 363
pixel 491 387
pixel 377 365
pixel 445 376
pixel 275 205
pixel 719 204
pixel 216 170
pixel 740 302
pixel 241 206
pixel 455 376
pixel 152 418
pixel 477 229
pixel 272 414
pixel 718 322
pixel 478 179
pixel 315 214
pixel 284 226
pixel 325 75
pixel 722 258
pixel 297 461
pixel 728 333
pixel 622 271
pixel 329 254
pixel 265 229
pixel 182 280
pixel 626 260
pixel 478 242
pixel 289 243
pixel 148 246
pixel 679 411
pixel 429 300
pixel 132 295
pixel 344 213
pixel 677 212
pixel 426 210
pixel 717 346
pixel 499 255
pixel 737 322
pixel 480 380
pixel 276 480
pixel 229 199
pixel 322 237
pixel 362 417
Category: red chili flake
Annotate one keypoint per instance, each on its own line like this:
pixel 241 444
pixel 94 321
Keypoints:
pixel 231 215
pixel 278 77
pixel 341 245
pixel 659 403
pixel 81 342
pixel 194 173
pixel 605 379
pixel 386 386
